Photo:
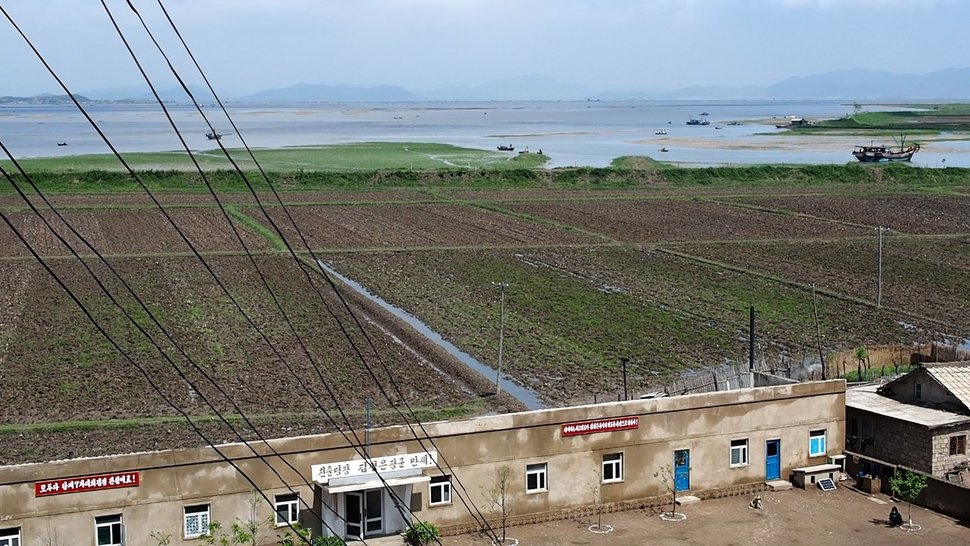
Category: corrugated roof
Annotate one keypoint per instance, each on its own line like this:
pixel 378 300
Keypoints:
pixel 955 377
pixel 866 398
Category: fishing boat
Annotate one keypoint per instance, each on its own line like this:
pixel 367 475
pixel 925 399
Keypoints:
pixel 504 148
pixel 62 143
pixel 661 132
pixel 214 136
pixel 875 154
pixel 705 114
pixel 695 121
pixel 664 149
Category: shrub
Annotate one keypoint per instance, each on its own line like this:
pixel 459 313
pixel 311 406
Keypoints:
pixel 420 533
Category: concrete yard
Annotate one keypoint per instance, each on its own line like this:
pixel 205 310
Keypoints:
pixel 789 517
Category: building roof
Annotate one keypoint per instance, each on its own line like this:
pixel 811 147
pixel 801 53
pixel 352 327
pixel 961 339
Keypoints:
pixel 954 376
pixel 867 399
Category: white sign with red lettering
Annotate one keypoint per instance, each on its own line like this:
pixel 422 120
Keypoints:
pixel 600 425
pixel 408 461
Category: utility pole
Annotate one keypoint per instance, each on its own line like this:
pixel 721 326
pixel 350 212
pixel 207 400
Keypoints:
pixel 501 335
pixel 879 277
pixel 751 339
pixel 623 362
pixel 367 431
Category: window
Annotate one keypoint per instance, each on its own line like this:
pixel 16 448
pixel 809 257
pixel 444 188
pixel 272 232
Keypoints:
pixel 107 530
pixel 612 467
pixel 816 443
pixel 440 490
pixel 918 391
pixel 196 520
pixel 10 537
pixel 739 452
pixel 535 478
pixel 958 445
pixel 287 509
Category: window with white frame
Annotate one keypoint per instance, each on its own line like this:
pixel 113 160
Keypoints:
pixel 287 509
pixel 535 478
pixel 108 530
pixel 196 520
pixel 10 537
pixel 739 453
pixel 612 467
pixel 816 443
pixel 439 490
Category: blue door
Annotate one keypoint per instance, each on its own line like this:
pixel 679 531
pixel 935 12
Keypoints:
pixel 682 470
pixel 773 460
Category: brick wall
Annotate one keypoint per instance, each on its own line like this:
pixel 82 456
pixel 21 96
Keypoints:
pixel 893 440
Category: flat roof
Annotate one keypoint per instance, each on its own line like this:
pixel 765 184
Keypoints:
pixel 867 399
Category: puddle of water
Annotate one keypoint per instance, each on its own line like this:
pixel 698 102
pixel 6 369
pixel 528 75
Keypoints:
pixel 521 393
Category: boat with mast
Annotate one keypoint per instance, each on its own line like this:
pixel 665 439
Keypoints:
pixel 874 154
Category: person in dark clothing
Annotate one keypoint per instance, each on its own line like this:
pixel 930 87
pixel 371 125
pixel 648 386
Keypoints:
pixel 895 518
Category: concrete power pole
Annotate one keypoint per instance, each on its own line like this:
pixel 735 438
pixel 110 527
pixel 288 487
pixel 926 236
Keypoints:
pixel 501 335
pixel 879 272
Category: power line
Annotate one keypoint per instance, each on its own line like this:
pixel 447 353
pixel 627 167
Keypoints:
pixel 313 256
pixel 179 231
pixel 302 238
pixel 398 502
pixel 124 353
pixel 154 320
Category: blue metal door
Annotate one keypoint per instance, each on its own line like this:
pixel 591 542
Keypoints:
pixel 773 460
pixel 682 470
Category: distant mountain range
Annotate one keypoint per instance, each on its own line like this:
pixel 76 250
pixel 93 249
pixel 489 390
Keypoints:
pixel 852 84
pixel 43 99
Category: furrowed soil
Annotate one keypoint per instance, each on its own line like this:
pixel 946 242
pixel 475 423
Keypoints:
pixel 660 270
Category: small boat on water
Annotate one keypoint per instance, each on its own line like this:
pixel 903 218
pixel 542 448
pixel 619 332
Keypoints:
pixel 661 132
pixel 62 143
pixel 504 148
pixel 718 127
pixel 214 136
pixel 695 121
pixel 704 114
pixel 875 154
pixel 664 149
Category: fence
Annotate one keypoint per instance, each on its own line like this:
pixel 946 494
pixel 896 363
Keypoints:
pixel 940 496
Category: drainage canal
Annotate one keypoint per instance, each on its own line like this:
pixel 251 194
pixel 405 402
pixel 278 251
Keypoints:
pixel 521 393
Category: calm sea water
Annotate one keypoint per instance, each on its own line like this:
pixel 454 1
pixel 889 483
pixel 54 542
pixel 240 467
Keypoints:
pixel 571 133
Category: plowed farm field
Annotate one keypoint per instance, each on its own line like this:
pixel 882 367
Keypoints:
pixel 663 276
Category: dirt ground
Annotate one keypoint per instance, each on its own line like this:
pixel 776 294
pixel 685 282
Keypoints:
pixel 791 517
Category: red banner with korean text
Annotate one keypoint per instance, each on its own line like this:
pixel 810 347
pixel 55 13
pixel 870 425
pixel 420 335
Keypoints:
pixel 87 483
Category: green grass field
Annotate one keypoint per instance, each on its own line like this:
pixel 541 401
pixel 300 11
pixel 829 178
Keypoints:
pixel 366 156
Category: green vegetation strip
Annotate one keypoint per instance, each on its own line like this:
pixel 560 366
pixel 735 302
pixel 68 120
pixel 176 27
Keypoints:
pixel 424 414
pixel 366 156
pixel 255 226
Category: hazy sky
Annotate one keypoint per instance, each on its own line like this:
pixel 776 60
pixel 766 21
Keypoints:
pixel 248 45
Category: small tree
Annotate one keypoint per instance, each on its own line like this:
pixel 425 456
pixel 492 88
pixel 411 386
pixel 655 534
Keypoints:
pixel 240 532
pixel 907 486
pixel 595 488
pixel 862 357
pixel 500 497
pixel 328 540
pixel 666 477
pixel 161 538
pixel 296 535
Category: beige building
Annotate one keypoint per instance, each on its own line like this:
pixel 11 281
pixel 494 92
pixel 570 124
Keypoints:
pixel 715 444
